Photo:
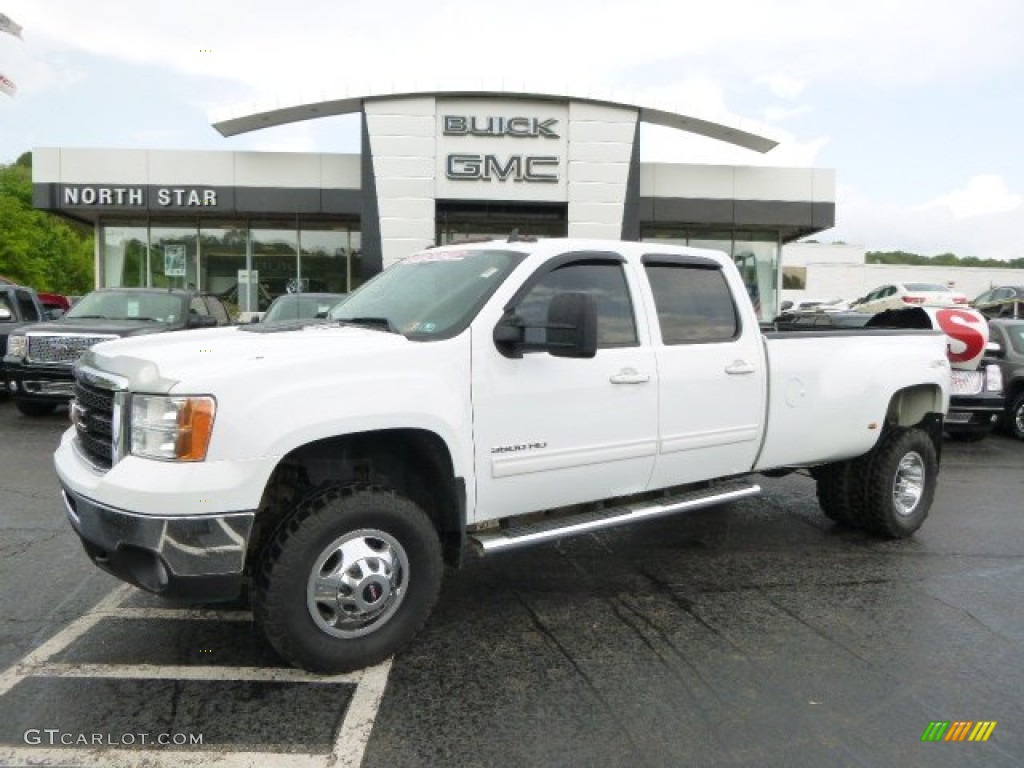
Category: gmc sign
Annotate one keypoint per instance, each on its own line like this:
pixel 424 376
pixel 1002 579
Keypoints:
pixel 489 167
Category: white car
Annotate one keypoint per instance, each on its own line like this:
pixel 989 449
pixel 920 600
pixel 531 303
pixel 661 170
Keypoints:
pixel 903 295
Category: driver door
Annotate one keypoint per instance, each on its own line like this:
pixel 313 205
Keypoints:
pixel 551 431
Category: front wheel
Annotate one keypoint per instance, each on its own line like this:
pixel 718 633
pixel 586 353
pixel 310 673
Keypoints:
pixel 1014 419
pixel 348 579
pixel 900 484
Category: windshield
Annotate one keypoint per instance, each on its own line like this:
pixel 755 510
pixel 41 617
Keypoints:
pixel 301 306
pixel 1016 334
pixel 431 294
pixel 123 305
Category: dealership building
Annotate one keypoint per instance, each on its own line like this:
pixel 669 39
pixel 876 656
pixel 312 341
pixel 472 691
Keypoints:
pixel 436 167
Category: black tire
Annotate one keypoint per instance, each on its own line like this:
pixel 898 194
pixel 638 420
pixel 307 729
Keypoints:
pixel 365 613
pixel 836 495
pixel 900 483
pixel 1013 421
pixel 35 410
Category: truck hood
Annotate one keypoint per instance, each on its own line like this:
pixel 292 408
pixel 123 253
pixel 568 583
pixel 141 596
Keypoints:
pixel 88 326
pixel 192 357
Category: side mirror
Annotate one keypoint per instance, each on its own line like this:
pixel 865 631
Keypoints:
pixel 786 305
pixel 994 349
pixel 569 331
pixel 572 325
pixel 202 321
pixel 5 313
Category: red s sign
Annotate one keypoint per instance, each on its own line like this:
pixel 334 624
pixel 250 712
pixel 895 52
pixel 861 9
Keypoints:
pixel 967 330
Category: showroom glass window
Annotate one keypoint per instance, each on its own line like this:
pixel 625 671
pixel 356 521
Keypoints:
pixel 275 248
pixel 123 255
pixel 174 254
pixel 223 246
pixel 757 256
pixel 326 256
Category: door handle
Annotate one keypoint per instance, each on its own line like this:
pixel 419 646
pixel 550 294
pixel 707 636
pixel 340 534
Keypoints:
pixel 629 376
pixel 739 366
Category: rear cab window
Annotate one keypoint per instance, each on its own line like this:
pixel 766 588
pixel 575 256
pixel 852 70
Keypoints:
pixel 692 299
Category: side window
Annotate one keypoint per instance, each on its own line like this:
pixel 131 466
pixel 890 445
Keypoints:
pixel 218 311
pixel 197 306
pixel 694 304
pixel 605 281
pixel 27 306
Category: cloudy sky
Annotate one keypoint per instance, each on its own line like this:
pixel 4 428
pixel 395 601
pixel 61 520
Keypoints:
pixel 918 105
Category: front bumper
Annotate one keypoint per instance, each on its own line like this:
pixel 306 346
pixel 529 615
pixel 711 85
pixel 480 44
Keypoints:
pixel 974 413
pixel 200 557
pixel 39 384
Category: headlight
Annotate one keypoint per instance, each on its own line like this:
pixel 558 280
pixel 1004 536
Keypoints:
pixel 171 428
pixel 17 345
pixel 993 378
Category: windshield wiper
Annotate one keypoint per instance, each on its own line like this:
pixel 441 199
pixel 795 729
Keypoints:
pixel 89 317
pixel 378 323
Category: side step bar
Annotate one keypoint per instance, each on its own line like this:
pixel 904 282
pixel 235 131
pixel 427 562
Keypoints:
pixel 500 540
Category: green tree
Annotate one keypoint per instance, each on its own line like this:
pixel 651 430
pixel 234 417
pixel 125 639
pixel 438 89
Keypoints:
pixel 37 248
pixel 940 260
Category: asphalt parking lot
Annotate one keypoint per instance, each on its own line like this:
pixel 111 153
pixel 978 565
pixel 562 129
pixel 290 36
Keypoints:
pixel 757 634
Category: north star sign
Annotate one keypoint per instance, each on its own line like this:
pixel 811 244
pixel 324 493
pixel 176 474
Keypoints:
pixel 135 197
pixel 461 166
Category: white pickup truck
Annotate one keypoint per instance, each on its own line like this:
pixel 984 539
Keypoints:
pixel 499 394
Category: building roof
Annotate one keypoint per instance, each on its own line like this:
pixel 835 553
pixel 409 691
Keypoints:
pixel 236 120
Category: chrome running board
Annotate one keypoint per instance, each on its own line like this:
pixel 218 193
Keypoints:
pixel 499 540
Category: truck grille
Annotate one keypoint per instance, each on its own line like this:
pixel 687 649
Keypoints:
pixel 92 412
pixel 60 349
pixel 967 382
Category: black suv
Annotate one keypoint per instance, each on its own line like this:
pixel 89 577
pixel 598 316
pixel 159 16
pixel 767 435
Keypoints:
pixel 18 306
pixel 1010 336
pixel 1002 301
pixel 39 357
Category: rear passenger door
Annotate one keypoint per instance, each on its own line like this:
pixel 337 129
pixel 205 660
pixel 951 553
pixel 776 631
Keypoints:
pixel 711 377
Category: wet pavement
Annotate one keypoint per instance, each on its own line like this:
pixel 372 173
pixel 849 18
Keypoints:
pixel 757 634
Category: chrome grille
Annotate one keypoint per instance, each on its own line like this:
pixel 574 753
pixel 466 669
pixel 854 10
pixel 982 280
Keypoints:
pixel 967 382
pixel 60 348
pixel 92 412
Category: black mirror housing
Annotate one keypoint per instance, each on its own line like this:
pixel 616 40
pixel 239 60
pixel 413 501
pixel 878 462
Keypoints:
pixel 202 321
pixel 572 325
pixel 570 329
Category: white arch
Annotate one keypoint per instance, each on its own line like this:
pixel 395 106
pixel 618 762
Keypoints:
pixel 234 121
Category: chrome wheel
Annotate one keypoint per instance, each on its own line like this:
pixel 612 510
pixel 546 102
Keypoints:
pixel 357 583
pixel 908 485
